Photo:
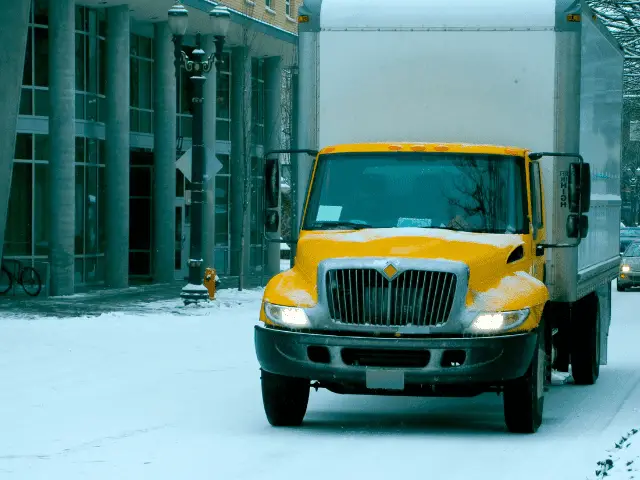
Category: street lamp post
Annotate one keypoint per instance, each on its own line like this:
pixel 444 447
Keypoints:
pixel 637 197
pixel 198 65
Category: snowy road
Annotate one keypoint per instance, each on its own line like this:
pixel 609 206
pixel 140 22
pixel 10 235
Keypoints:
pixel 168 396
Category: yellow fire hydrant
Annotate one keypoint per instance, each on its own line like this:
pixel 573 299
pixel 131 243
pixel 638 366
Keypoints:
pixel 211 281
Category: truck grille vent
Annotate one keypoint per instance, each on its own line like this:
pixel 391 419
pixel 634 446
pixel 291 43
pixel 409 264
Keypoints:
pixel 360 296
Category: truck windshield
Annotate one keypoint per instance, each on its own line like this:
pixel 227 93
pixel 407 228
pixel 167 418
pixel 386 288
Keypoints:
pixel 473 193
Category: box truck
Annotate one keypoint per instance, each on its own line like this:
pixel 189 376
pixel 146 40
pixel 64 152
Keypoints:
pixel 459 190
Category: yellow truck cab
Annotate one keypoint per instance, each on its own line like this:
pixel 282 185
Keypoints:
pixel 439 269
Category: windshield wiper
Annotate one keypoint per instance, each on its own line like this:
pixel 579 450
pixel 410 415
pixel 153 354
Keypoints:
pixel 340 223
pixel 435 227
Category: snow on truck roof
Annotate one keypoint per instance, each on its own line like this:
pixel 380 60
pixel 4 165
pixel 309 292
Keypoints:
pixel 423 147
pixel 405 14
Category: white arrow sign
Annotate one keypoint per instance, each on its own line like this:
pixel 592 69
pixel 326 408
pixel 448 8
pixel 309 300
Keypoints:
pixel 212 166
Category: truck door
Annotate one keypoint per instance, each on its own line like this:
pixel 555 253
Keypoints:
pixel 537 220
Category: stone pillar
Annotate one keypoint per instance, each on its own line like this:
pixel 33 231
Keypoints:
pixel 210 112
pixel 117 146
pixel 240 161
pixel 62 132
pixel 273 140
pixel 164 149
pixel 13 38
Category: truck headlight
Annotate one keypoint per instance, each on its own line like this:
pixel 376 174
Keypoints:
pixel 286 316
pixel 626 268
pixel 499 321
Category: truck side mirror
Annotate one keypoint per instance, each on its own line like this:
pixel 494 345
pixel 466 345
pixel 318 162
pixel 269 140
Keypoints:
pixel 272 221
pixel 577 226
pixel 579 188
pixel 272 183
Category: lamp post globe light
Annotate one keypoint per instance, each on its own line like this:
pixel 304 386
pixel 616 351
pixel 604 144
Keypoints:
pixel 197 65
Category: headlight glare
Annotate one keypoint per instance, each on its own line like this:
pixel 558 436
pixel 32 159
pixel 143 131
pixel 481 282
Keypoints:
pixel 499 321
pixel 626 268
pixel 286 316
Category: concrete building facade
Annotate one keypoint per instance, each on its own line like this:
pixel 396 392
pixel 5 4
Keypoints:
pixel 99 190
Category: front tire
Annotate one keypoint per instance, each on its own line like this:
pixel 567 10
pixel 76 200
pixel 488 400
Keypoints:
pixel 524 397
pixel 585 341
pixel 285 399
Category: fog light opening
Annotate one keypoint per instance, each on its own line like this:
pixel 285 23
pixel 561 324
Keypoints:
pixel 319 354
pixel 453 358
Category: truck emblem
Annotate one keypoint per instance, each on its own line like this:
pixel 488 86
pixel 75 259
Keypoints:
pixel 390 271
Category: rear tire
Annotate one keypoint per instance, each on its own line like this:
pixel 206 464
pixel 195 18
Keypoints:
pixel 524 397
pixel 285 399
pixel 585 341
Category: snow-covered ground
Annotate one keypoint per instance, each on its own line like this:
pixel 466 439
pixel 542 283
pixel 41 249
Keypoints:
pixel 175 393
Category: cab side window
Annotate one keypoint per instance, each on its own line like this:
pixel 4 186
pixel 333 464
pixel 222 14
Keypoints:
pixel 536 197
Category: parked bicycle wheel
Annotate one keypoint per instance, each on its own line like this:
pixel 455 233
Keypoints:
pixel 6 281
pixel 30 281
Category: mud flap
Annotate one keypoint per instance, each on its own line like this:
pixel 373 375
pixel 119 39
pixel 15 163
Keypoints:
pixel 604 297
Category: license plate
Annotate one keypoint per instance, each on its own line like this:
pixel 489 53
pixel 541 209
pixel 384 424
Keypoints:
pixel 385 379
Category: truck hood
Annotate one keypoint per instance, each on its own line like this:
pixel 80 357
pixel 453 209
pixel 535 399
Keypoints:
pixel 485 254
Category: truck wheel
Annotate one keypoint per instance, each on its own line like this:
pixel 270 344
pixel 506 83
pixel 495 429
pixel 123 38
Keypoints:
pixel 285 399
pixel 524 397
pixel 585 341
pixel 619 288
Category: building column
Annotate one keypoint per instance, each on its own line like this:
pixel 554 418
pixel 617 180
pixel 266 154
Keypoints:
pixel 164 152
pixel 13 38
pixel 273 140
pixel 210 112
pixel 117 146
pixel 240 161
pixel 62 141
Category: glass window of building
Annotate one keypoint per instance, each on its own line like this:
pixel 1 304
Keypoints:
pixel 257 100
pixel 18 234
pixel 222 219
pixel 141 86
pixel 255 220
pixel 29 206
pixel 223 100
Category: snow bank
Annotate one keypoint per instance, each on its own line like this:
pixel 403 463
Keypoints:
pixel 224 299
pixel 623 460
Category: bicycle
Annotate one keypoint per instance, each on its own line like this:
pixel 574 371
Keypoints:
pixel 27 277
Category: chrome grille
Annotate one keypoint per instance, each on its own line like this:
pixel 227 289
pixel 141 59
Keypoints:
pixel 361 296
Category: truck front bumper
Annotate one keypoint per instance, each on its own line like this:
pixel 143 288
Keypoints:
pixel 432 361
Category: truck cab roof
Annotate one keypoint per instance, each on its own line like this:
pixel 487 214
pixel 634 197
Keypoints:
pixel 379 147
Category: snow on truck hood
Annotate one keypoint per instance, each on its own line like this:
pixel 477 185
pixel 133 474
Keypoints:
pixel 474 249
pixel 369 234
